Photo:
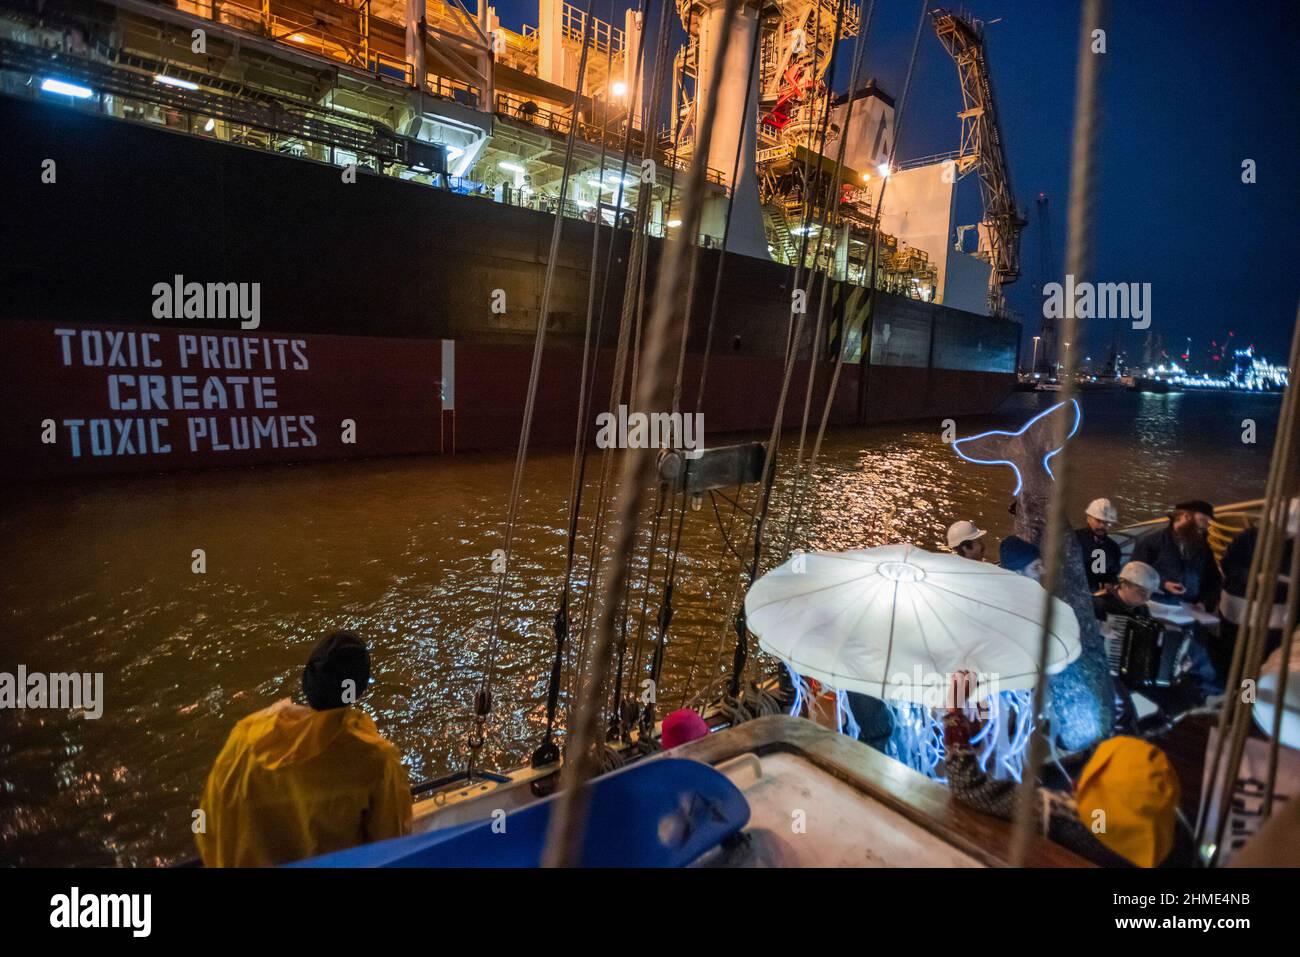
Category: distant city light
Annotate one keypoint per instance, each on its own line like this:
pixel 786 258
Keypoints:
pixel 51 85
pixel 175 81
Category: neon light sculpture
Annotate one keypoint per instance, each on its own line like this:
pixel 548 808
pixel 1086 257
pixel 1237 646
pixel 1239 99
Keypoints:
pixel 1034 441
pixel 894 623
pixel 1081 695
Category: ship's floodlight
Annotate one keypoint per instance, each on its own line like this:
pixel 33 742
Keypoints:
pixel 511 167
pixel 674 223
pixel 175 81
pixel 883 170
pixel 619 89
pixel 51 85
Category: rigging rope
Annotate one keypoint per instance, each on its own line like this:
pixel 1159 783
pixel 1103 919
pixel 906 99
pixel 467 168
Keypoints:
pixel 797 497
pixel 634 260
pixel 768 475
pixel 564 835
pixel 1235 719
pixel 1083 192
pixel 547 752
pixel 483 697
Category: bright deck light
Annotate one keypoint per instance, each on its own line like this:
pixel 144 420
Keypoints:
pixel 511 167
pixel 883 170
pixel 175 81
pixel 52 85
pixel 619 89
pixel 674 223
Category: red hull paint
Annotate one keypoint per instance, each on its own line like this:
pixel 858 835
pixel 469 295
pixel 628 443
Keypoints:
pixel 392 389
pixel 388 387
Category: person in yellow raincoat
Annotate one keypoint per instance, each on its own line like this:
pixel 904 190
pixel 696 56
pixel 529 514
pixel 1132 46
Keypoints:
pixel 294 782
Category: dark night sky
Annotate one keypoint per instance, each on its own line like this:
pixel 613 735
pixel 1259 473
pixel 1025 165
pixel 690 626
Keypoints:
pixel 1192 88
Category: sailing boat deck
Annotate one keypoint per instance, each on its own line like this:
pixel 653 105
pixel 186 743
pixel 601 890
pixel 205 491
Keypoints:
pixel 816 799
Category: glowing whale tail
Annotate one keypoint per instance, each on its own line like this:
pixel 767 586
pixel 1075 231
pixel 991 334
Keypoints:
pixel 1029 448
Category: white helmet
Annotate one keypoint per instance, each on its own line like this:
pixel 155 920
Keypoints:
pixel 1102 510
pixel 961 532
pixel 1142 575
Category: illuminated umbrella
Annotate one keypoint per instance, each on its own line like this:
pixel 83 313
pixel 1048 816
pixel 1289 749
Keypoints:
pixel 895 621
pixel 1266 699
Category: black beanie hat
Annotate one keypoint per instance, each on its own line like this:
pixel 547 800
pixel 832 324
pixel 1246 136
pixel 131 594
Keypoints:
pixel 1195 505
pixel 339 658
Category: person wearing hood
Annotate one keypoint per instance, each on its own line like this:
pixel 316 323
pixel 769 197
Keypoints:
pixel 1180 553
pixel 1122 812
pixel 682 727
pixel 297 781
pixel 1101 553
pixel 1022 557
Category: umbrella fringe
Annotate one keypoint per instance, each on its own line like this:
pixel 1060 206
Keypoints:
pixel 1001 743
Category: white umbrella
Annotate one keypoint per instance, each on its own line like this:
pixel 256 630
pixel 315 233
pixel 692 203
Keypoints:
pixel 1266 699
pixel 896 621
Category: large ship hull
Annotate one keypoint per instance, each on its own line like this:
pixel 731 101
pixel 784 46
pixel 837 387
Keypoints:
pixel 392 318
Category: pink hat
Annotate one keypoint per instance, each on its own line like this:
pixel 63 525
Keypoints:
pixel 682 726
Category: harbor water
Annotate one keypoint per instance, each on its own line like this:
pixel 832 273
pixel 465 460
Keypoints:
pixel 100 577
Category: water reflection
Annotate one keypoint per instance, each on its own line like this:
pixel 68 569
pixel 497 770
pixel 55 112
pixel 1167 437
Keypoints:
pixel 99 579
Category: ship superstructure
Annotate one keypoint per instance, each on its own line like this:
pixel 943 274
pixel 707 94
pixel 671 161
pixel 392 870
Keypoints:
pixel 428 90
pixel 220 138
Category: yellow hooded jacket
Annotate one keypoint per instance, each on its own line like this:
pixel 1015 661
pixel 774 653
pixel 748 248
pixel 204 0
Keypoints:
pixel 1128 796
pixel 292 783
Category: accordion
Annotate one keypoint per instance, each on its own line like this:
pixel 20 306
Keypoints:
pixel 1142 651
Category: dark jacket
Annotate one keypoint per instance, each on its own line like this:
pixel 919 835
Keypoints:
pixel 1089 544
pixel 1236 575
pixel 1196 571
pixel 875 721
pixel 1109 603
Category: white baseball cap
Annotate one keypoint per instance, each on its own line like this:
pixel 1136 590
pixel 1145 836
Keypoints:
pixel 963 531
pixel 1102 510
pixel 1142 575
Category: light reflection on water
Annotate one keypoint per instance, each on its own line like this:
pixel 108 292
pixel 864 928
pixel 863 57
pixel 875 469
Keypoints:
pixel 98 579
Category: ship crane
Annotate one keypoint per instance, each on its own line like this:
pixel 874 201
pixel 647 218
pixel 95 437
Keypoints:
pixel 981 148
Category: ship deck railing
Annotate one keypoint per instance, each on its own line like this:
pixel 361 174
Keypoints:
pixel 521 109
pixel 1228 522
